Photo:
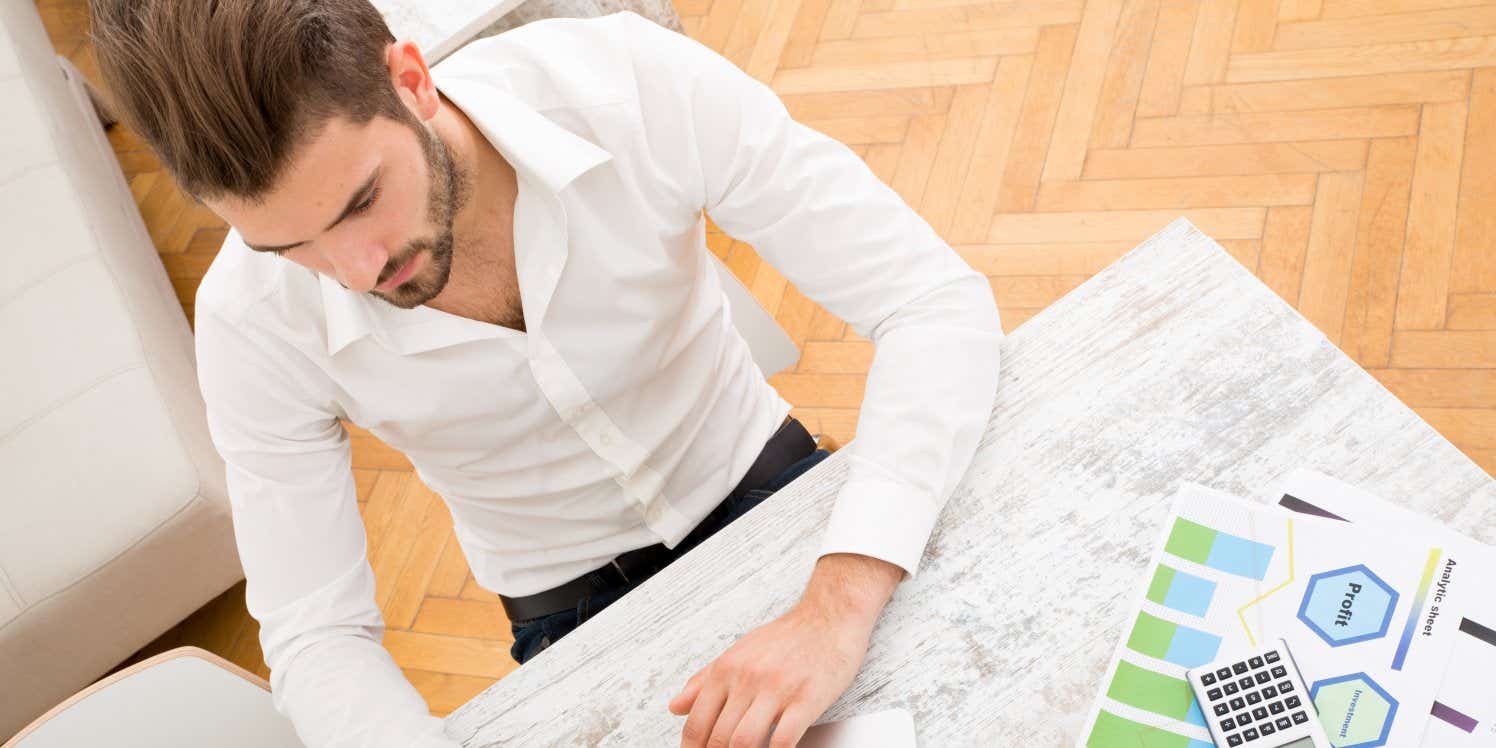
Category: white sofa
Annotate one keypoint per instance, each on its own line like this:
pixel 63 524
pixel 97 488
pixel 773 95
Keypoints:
pixel 114 518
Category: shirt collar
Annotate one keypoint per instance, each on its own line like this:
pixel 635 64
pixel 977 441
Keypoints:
pixel 548 154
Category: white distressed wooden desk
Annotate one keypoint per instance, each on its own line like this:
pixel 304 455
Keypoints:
pixel 441 27
pixel 1173 364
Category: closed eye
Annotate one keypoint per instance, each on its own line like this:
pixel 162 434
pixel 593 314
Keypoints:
pixel 367 203
pixel 362 207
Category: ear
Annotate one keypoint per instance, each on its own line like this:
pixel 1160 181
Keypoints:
pixel 411 79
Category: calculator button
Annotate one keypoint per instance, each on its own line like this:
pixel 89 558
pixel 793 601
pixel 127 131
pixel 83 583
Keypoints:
pixel 1243 719
pixel 1300 718
pixel 1245 682
pixel 1280 672
pixel 1269 692
pixel 1231 688
pixel 1213 694
pixel 1228 724
pixel 1284 723
pixel 1233 740
pixel 1223 673
pixel 1255 662
pixel 1260 712
pixel 1254 697
pixel 1239 668
pixel 1271 656
pixel 1250 734
pixel 1285 687
pixel 1207 679
pixel 1292 701
pixel 1221 709
pixel 1276 707
pixel 1262 678
pixel 1237 703
pixel 1267 728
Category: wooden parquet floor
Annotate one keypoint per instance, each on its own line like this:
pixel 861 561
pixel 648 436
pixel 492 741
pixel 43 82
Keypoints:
pixel 1343 150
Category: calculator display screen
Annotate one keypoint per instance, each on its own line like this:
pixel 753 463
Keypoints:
pixel 1300 743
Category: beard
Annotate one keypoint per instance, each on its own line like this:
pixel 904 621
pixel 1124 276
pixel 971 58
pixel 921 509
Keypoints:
pixel 447 189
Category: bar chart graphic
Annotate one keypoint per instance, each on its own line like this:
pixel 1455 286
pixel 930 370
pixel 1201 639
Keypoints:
pixel 1172 642
pixel 1477 654
pixel 1227 575
pixel 1480 632
pixel 1454 717
pixel 1219 550
pixel 1181 591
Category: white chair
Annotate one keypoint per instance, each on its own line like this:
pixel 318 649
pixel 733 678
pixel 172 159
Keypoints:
pixel 183 698
pixel 772 348
pixel 114 520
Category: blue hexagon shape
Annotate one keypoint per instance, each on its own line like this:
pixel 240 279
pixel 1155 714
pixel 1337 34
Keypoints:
pixel 1355 711
pixel 1348 605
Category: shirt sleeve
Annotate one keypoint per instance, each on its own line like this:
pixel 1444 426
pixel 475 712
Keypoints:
pixel 302 543
pixel 814 211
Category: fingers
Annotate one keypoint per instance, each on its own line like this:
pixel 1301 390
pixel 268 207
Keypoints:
pixel 755 725
pixel 727 721
pixel 703 715
pixel 792 725
pixel 682 702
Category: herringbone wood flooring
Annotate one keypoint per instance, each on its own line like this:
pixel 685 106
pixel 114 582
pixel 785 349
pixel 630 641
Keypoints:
pixel 1343 150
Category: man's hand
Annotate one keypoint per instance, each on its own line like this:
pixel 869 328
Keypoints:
pixel 794 667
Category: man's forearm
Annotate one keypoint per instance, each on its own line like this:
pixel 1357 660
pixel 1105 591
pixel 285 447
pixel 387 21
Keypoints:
pixel 852 586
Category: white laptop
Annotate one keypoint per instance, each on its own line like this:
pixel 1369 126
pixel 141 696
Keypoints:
pixel 893 728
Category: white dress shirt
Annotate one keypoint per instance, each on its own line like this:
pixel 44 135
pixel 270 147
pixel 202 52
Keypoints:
pixel 631 407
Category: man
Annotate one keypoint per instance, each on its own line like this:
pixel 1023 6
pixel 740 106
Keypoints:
pixel 498 267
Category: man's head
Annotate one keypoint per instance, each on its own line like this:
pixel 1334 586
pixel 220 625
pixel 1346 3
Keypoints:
pixel 303 123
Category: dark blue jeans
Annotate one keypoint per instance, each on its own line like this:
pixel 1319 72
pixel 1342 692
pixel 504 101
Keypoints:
pixel 531 637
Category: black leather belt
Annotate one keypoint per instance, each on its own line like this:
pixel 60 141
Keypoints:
pixel 790 444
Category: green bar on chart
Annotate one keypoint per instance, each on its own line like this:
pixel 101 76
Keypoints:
pixel 1158 589
pixel 1111 731
pixel 1190 540
pixel 1151 636
pixel 1150 691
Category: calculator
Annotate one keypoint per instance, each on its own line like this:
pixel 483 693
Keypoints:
pixel 1258 700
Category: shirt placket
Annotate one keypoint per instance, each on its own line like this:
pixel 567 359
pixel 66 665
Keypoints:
pixel 543 246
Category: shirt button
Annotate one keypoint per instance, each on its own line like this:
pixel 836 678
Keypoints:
pixel 606 440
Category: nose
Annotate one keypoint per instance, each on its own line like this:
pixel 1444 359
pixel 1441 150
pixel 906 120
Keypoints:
pixel 359 267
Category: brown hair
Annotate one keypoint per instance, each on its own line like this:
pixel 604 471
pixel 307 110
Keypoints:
pixel 225 90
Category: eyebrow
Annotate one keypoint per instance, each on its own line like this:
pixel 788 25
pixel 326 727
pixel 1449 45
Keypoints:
pixel 353 201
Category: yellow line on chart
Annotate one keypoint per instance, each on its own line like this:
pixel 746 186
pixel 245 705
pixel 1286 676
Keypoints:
pixel 1240 612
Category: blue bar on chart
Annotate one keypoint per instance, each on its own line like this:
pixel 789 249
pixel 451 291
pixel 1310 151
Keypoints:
pixel 1195 717
pixel 1181 591
pixel 1219 550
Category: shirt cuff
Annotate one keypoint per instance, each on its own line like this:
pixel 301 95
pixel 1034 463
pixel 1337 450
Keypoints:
pixel 887 521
